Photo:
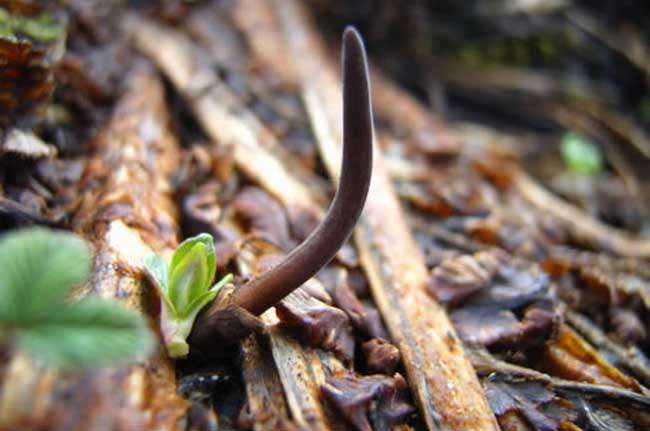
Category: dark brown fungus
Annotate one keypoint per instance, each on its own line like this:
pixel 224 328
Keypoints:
pixel 362 399
pixel 319 248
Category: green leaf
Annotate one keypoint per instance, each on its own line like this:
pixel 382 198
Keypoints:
pixel 158 272
pixel 188 244
pixel 191 272
pixel 39 267
pixel 189 278
pixel 217 287
pixel 202 300
pixel 580 154
pixel 92 332
pixel 199 302
pixel 157 269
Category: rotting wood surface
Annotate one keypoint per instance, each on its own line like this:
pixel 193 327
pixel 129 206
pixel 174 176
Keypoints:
pixel 441 377
pixel 223 116
pixel 227 120
pixel 266 408
pixel 126 213
pixel 302 370
pixel 583 226
pixel 633 357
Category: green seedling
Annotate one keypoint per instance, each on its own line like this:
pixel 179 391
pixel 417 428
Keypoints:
pixel 185 287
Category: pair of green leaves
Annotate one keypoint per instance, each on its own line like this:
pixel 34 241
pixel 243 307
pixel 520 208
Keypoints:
pixel 185 288
pixel 39 268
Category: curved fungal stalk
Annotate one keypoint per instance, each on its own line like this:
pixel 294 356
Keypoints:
pixel 322 245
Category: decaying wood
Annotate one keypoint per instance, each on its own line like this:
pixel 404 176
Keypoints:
pixel 127 213
pixel 487 364
pixel 630 356
pixel 223 116
pixel 302 370
pixel 441 377
pixel 266 405
pixel 582 225
pixel 131 215
pixel 568 354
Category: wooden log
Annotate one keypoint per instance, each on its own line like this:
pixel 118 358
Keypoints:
pixel 126 213
pixel 441 377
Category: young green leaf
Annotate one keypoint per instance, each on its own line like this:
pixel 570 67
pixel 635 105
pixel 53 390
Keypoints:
pixel 188 244
pixel 199 302
pixel 188 278
pixel 157 269
pixel 39 267
pixel 184 288
pixel 90 332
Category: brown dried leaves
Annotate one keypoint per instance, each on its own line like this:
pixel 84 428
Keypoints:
pixel 25 78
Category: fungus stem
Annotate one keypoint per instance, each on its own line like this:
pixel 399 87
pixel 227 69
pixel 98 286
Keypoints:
pixel 322 245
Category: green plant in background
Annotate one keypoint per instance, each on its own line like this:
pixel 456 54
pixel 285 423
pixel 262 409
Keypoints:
pixel 39 269
pixel 185 287
pixel 42 27
pixel 580 154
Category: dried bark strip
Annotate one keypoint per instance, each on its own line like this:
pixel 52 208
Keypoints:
pixel 442 379
pixel 487 364
pixel 127 213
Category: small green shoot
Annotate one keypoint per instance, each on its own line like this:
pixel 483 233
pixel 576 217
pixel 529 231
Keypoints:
pixel 580 154
pixel 185 287
pixel 39 269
